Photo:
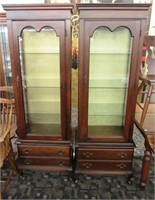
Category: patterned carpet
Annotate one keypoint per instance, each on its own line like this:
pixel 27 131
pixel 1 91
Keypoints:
pixel 45 185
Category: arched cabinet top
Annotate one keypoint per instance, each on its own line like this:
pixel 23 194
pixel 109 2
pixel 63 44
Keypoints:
pixel 38 26
pixel 38 29
pixel 112 29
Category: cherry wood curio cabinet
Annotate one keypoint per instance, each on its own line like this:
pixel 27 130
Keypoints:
pixel 110 43
pixel 40 49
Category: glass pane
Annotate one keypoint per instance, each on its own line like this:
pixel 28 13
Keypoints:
pixel 40 58
pixel 4 45
pixel 108 81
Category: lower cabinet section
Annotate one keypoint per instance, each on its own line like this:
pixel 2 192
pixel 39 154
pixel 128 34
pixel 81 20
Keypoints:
pixel 47 156
pixel 104 159
pixel 88 158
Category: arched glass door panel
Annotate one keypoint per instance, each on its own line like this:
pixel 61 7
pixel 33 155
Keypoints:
pixel 40 68
pixel 110 53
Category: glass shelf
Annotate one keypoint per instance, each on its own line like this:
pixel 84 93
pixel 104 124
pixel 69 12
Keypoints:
pixel 107 120
pixel 41 82
pixel 110 53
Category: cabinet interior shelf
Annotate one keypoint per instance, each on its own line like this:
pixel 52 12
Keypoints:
pixel 44 129
pixel 43 87
pixel 110 53
pixel 107 87
pixel 26 53
pixel 101 131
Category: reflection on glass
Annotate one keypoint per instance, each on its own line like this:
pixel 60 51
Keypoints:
pixel 4 45
pixel 40 61
pixel 108 80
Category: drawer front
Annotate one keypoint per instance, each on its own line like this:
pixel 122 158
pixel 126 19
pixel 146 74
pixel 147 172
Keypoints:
pixel 57 151
pixel 29 160
pixel 104 165
pixel 106 154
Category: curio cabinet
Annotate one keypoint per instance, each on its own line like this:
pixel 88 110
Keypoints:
pixel 40 48
pixel 110 43
pixel 109 57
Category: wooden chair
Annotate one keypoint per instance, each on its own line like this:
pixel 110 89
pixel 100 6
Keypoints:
pixel 7 92
pixel 145 121
pixel 6 110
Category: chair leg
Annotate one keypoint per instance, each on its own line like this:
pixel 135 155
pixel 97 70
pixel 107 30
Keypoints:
pixel 14 170
pixel 6 182
pixel 12 162
pixel 145 168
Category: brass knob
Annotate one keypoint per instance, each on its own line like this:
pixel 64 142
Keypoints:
pixel 28 162
pixel 61 153
pixel 87 165
pixel 122 155
pixel 61 163
pixel 27 151
pixel 121 165
pixel 87 154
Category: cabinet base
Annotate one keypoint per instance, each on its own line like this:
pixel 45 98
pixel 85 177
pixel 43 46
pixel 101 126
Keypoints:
pixel 102 172
pixel 45 156
pixel 45 168
pixel 104 159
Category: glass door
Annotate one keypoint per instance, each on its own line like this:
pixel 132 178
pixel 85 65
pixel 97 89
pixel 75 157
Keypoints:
pixel 40 69
pixel 109 66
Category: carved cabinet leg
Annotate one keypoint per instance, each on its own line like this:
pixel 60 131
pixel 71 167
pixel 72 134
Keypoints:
pixel 145 167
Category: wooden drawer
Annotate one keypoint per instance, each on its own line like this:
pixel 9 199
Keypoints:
pixel 104 165
pixel 34 150
pixel 29 160
pixel 106 154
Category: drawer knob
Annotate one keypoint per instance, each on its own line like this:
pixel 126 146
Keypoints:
pixel 28 162
pixel 121 165
pixel 61 153
pixel 122 155
pixel 87 154
pixel 27 151
pixel 61 163
pixel 87 165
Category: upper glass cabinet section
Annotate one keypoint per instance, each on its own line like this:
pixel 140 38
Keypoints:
pixel 40 69
pixel 109 61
